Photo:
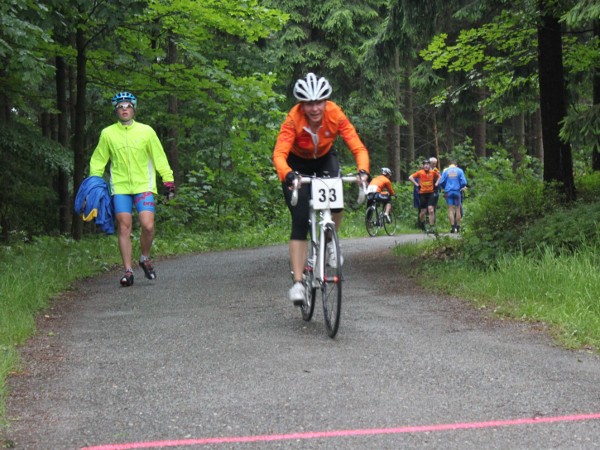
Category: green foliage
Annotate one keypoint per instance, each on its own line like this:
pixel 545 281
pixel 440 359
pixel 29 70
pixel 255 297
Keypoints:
pixel 406 212
pixel 565 230
pixel 583 12
pixel 499 218
pixel 484 174
pixel 22 34
pixel 58 262
pixel 559 290
pixel 581 128
pixel 588 187
pixel 497 56
pixel 29 164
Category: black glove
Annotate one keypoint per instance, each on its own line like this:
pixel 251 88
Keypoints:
pixel 364 172
pixel 169 188
pixel 291 177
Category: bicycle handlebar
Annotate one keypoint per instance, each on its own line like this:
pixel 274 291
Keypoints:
pixel 362 192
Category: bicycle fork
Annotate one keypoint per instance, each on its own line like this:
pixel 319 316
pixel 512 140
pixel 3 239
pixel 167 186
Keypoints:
pixel 326 219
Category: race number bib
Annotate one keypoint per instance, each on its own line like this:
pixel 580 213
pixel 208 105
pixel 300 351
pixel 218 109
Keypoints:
pixel 327 193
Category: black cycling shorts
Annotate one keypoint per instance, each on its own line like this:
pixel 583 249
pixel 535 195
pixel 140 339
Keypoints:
pixel 327 165
pixel 426 200
pixel 383 199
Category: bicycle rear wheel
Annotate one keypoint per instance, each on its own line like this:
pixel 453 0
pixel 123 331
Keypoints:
pixel 390 228
pixel 331 286
pixel 371 217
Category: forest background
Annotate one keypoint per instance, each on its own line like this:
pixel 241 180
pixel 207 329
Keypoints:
pixel 509 88
pixel 455 78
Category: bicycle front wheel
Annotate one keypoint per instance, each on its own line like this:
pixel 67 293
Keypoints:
pixel 371 220
pixel 308 306
pixel 331 285
pixel 391 226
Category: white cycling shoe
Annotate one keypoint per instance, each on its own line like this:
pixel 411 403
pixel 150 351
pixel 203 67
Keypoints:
pixel 297 293
pixel 332 257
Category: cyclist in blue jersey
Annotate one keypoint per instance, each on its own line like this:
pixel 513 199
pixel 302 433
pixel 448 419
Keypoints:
pixel 453 181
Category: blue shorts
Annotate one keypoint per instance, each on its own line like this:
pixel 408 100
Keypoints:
pixel 123 203
pixel 453 198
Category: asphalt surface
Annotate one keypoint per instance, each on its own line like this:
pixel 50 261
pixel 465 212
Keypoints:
pixel 212 355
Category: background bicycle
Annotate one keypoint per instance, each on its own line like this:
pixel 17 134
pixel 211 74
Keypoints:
pixel 375 218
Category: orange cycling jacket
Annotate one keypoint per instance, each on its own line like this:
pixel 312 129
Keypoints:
pixel 383 184
pixel 295 138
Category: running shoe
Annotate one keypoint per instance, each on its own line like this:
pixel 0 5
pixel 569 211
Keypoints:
pixel 127 279
pixel 148 269
pixel 297 293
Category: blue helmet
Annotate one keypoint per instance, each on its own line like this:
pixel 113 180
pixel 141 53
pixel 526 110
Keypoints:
pixel 124 97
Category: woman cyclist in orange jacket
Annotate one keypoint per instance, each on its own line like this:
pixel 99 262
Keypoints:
pixel 305 146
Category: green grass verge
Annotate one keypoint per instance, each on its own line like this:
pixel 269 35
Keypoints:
pixel 559 290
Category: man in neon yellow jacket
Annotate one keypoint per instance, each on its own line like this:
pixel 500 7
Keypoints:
pixel 135 154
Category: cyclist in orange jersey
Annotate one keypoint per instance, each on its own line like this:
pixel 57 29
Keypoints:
pixel 425 180
pixel 380 189
pixel 305 146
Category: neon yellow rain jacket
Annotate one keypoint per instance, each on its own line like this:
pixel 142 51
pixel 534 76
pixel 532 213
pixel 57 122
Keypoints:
pixel 135 155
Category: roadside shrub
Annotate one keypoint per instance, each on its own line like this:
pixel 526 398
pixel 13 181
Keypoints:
pixel 565 231
pixel 406 213
pixel 588 187
pixel 498 221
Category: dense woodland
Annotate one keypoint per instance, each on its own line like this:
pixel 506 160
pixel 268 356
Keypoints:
pixel 517 80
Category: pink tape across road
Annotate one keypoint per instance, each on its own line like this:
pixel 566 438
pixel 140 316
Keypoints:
pixel 345 433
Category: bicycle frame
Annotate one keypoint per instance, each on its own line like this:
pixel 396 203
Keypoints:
pixel 315 260
pixel 325 218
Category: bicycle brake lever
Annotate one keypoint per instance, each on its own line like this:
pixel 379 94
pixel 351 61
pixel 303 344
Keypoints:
pixel 362 193
pixel 294 199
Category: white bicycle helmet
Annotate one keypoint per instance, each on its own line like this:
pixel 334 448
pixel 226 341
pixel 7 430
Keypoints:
pixel 312 89
pixel 385 171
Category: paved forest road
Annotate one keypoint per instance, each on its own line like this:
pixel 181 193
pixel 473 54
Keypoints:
pixel 212 355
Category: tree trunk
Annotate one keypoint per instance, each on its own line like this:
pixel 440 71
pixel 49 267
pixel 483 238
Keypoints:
pixel 480 134
pixel 393 144
pixel 64 213
pixel 539 141
pixel 410 118
pixel 172 105
pixel 395 147
pixel 395 151
pixel 4 215
pixel 79 132
pixel 518 131
pixel 558 163
pixel 596 100
pixel 435 131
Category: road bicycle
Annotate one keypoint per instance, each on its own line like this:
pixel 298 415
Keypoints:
pixel 326 194
pixel 375 218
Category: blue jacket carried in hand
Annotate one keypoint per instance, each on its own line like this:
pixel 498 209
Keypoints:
pixel 93 202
